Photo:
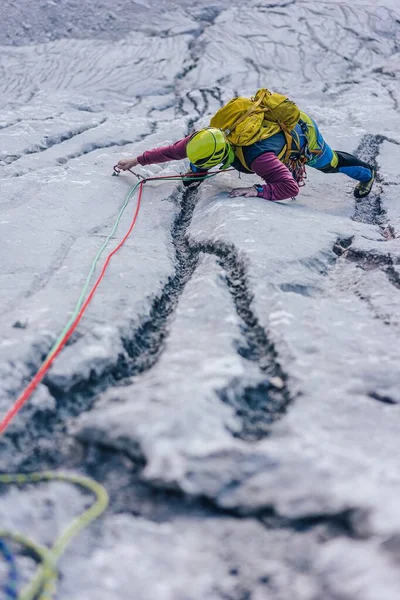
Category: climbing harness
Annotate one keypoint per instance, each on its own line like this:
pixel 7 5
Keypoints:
pixel 43 584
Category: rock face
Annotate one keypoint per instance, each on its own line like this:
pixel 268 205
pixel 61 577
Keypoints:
pixel 234 384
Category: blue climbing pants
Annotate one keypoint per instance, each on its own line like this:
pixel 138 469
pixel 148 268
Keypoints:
pixel 327 160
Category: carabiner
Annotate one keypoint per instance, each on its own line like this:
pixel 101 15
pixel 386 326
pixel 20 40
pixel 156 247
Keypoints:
pixel 117 171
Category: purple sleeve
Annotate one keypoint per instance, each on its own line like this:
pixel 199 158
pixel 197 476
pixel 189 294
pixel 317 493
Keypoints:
pixel 175 151
pixel 279 182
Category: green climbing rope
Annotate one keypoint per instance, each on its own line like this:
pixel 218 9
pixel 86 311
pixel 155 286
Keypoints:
pixel 43 584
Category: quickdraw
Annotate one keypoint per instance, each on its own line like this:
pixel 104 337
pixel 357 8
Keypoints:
pixel 300 157
pixel 297 166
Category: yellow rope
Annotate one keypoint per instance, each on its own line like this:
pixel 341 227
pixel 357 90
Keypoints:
pixel 44 581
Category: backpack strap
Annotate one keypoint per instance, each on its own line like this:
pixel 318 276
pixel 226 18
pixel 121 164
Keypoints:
pixel 287 150
pixel 289 144
pixel 246 114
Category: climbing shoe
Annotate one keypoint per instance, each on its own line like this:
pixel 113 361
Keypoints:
pixel 363 188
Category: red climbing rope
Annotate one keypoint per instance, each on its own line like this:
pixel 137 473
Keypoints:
pixel 4 423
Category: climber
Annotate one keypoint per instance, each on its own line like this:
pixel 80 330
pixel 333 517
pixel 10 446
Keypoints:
pixel 276 147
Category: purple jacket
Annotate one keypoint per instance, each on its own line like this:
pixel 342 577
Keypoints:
pixel 279 182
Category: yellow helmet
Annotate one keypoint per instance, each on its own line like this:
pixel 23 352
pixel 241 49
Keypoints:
pixel 208 148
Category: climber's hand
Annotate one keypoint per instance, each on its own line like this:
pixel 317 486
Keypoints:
pixel 248 192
